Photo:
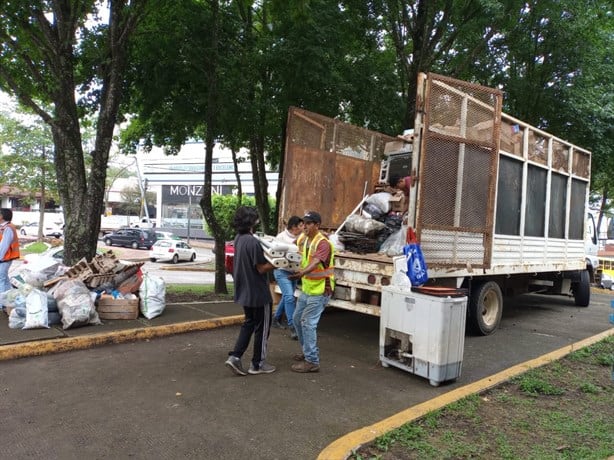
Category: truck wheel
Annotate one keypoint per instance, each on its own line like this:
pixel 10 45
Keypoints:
pixel 582 290
pixel 175 259
pixel 135 245
pixel 485 308
pixel 108 242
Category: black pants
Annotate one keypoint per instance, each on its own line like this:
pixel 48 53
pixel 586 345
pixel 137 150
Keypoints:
pixel 257 322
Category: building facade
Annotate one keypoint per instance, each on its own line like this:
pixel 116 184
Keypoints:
pixel 178 182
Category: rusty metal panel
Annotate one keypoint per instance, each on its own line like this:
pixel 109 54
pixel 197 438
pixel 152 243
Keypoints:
pixel 457 170
pixel 329 166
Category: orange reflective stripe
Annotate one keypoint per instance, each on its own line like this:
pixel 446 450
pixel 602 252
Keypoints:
pixel 318 274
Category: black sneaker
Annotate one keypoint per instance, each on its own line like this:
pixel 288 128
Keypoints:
pixel 293 335
pixel 277 324
pixel 235 365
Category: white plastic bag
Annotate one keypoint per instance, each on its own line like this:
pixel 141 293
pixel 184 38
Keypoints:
pixel 153 296
pixel 36 310
pixel 381 200
pixel 17 318
pixel 75 304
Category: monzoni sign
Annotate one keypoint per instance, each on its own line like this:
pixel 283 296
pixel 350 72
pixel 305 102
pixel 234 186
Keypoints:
pixel 185 190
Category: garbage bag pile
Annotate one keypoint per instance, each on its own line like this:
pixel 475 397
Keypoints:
pixel 48 293
pixel 376 229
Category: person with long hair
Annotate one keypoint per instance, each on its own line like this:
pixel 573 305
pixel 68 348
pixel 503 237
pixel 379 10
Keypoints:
pixel 251 291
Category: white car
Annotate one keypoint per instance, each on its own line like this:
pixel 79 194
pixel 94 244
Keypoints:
pixel 171 251
pixel 31 229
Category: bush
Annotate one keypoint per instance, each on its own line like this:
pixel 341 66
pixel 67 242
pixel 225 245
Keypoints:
pixel 224 208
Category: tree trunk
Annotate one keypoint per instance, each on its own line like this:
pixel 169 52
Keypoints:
pixel 211 124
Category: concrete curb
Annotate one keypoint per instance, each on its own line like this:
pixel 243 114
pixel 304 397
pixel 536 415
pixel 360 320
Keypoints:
pixel 45 347
pixel 343 447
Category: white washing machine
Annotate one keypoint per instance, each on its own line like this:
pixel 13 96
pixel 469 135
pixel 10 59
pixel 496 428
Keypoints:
pixel 423 334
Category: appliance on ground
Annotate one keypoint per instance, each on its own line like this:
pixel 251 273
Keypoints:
pixel 422 331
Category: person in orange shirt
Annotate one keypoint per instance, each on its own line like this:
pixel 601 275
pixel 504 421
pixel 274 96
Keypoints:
pixel 9 247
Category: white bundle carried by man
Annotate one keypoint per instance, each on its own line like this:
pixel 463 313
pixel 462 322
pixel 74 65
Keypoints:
pixel 282 255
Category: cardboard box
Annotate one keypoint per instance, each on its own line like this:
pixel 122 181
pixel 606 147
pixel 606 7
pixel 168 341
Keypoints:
pixel 398 202
pixel 110 308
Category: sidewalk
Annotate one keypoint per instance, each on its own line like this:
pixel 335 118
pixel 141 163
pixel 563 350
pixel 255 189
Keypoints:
pixel 176 318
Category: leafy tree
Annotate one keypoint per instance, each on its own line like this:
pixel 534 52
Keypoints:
pixel 28 164
pixel 132 200
pixel 50 53
pixel 176 81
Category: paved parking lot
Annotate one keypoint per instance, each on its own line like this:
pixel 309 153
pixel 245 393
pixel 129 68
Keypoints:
pixel 173 398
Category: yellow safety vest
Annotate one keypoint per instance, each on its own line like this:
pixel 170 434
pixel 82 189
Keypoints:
pixel 314 283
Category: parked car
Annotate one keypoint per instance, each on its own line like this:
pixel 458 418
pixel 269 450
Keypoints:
pixel 134 238
pixel 31 229
pixel 229 254
pixel 171 251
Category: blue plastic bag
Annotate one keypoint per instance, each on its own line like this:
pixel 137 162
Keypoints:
pixel 416 266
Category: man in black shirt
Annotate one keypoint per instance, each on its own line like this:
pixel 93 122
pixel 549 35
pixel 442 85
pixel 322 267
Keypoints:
pixel 251 292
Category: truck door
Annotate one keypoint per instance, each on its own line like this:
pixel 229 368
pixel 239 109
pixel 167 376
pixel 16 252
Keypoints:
pixel 457 140
pixel 329 166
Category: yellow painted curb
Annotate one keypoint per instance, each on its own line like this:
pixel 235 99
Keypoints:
pixel 44 347
pixel 343 447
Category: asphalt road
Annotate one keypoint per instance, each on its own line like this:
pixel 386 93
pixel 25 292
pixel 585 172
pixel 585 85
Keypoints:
pixel 173 398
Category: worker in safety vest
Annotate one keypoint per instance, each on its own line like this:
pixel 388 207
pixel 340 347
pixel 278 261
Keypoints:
pixel 317 286
pixel 9 247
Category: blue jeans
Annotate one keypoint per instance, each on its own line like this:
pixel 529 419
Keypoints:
pixel 287 302
pixel 309 308
pixel 5 284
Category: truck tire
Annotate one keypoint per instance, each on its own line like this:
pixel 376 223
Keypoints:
pixel 582 290
pixel 135 245
pixel 108 242
pixel 485 308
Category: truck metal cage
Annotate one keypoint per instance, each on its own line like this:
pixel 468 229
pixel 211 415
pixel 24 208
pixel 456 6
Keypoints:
pixel 458 158
pixel 493 192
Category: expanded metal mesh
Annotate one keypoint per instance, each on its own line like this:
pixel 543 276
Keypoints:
pixel 314 131
pixel 458 166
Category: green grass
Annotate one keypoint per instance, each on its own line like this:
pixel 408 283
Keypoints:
pixel 562 410
pixel 34 248
pixel 195 289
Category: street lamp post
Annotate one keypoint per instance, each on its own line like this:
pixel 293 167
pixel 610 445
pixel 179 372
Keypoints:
pixel 189 213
